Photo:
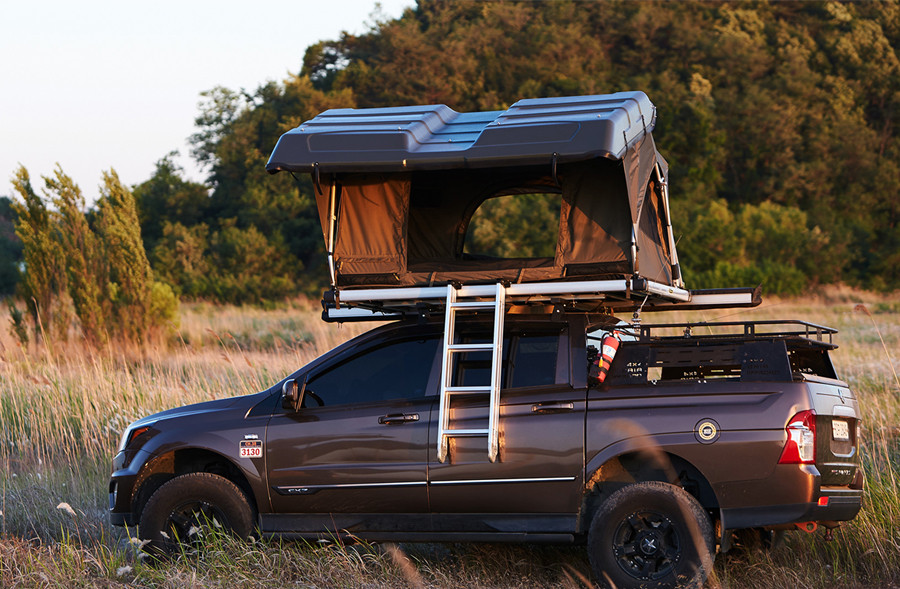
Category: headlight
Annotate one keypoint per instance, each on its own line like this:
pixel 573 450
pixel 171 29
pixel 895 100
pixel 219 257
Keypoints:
pixel 132 432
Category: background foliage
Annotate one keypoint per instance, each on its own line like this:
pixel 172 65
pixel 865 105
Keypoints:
pixel 778 120
pixel 87 271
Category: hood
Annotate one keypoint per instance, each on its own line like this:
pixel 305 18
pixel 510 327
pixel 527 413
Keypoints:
pixel 201 408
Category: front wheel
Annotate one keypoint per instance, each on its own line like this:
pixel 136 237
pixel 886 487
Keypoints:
pixel 184 508
pixel 651 534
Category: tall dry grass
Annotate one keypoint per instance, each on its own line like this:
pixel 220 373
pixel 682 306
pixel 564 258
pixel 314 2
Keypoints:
pixel 63 408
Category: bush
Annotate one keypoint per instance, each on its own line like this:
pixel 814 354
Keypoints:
pixel 163 306
pixel 766 244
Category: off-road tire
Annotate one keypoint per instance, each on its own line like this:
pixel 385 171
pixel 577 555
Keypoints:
pixel 651 534
pixel 179 511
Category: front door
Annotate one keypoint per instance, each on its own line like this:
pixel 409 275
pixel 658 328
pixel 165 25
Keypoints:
pixel 359 442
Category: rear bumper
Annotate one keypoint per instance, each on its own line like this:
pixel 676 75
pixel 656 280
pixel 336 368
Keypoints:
pixel 843 505
pixel 794 495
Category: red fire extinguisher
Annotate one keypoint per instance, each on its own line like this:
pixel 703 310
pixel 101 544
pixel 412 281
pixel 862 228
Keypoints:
pixel 600 365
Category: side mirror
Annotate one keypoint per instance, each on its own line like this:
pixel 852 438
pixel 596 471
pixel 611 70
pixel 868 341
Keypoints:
pixel 292 394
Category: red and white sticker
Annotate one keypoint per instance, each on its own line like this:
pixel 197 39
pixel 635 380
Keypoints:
pixel 251 449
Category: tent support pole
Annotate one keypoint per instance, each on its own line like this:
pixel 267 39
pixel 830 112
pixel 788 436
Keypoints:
pixel 332 222
pixel 634 251
pixel 676 268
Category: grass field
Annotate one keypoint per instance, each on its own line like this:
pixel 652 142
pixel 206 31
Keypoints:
pixel 62 410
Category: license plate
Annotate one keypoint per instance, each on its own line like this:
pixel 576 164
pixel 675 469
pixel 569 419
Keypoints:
pixel 840 430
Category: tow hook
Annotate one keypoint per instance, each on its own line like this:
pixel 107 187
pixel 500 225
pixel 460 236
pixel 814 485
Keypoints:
pixel 811 527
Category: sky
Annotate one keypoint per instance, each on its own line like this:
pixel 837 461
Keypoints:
pixel 93 85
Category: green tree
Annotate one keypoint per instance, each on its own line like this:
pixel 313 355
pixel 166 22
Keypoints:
pixel 230 264
pixel 84 262
pixel 167 196
pixel 101 271
pixel 44 280
pixel 128 278
pixel 180 259
pixel 249 267
pixel 766 244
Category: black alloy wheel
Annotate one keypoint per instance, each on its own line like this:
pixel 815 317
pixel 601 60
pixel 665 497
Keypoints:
pixel 646 545
pixel 651 534
pixel 181 512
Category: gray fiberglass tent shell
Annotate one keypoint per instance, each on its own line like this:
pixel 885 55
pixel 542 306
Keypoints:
pixel 396 189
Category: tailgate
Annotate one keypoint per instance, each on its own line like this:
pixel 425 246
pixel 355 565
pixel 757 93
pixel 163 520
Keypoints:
pixel 837 420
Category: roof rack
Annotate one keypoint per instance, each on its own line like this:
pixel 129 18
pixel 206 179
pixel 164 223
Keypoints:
pixel 741 330
pixel 628 294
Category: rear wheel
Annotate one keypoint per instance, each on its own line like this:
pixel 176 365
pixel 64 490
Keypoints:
pixel 181 511
pixel 651 534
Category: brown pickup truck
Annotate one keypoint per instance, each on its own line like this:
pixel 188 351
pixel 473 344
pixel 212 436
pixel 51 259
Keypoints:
pixel 698 431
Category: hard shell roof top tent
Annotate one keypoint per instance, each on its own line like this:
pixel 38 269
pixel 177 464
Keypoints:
pixel 396 189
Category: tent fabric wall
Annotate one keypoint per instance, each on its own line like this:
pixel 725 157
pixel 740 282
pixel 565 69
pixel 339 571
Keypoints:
pixel 372 221
pixel 322 193
pixel 639 161
pixel 439 202
pixel 652 240
pixel 595 226
pixel 408 229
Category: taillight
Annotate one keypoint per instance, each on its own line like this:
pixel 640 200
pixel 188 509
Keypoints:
pixel 801 443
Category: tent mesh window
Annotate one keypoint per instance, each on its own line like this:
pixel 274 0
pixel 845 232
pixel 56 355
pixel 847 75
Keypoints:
pixel 514 226
pixel 451 225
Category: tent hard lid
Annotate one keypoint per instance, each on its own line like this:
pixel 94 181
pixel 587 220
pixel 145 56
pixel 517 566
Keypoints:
pixel 433 137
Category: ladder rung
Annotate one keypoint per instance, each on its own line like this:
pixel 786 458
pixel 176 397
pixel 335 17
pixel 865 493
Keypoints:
pixel 470 347
pixel 468 390
pixel 473 305
pixel 466 432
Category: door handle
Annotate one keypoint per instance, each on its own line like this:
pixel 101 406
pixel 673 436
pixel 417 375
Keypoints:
pixel 550 407
pixel 395 418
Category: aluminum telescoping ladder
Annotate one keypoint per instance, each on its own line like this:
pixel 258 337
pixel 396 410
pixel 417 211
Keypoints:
pixel 449 390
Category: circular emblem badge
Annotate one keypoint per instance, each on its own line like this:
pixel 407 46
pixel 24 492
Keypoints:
pixel 706 431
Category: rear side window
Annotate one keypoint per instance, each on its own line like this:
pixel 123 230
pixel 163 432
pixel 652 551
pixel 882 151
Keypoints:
pixel 397 370
pixel 534 362
pixel 528 360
